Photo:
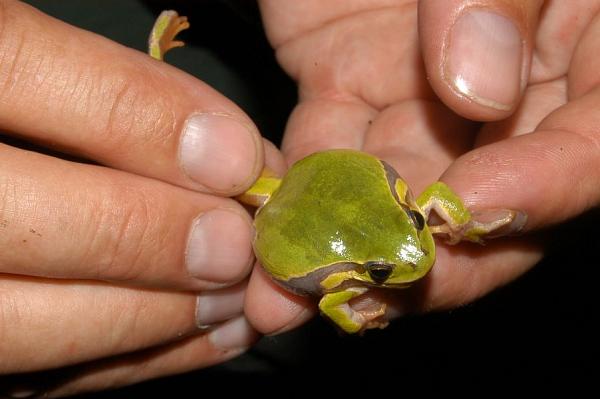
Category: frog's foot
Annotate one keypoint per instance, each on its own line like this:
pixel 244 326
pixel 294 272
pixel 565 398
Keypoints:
pixel 261 190
pixel 336 306
pixel 458 224
pixel 162 37
pixel 482 225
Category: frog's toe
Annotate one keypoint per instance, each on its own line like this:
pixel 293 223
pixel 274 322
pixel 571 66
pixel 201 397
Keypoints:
pixel 336 306
pixel 370 314
pixel 483 225
pixel 353 312
pixel 162 37
pixel 495 223
pixel 358 321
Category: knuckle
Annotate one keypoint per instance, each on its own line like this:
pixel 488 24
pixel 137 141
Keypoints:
pixel 121 234
pixel 116 99
pixel 135 103
pixel 33 68
pixel 11 319
pixel 125 322
pixel 12 41
pixel 5 311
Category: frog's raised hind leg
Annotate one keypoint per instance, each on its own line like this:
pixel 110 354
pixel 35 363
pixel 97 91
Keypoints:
pixel 162 37
pixel 335 306
pixel 461 224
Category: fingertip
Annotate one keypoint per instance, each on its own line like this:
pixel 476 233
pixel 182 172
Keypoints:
pixel 271 309
pixel 499 176
pixel 234 336
pixel 478 54
pixel 221 152
pixel 274 159
pixel 550 175
pixel 219 246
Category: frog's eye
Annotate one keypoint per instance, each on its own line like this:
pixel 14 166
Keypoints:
pixel 417 219
pixel 379 272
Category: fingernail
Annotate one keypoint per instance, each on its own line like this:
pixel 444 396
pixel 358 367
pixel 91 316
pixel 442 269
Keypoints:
pixel 484 59
pixel 21 392
pixel 217 306
pixel 217 151
pixel 235 335
pixel 219 246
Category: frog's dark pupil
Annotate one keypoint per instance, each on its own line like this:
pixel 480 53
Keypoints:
pixel 417 219
pixel 379 272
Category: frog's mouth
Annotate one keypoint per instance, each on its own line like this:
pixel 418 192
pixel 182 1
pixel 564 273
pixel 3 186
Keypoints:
pixel 358 275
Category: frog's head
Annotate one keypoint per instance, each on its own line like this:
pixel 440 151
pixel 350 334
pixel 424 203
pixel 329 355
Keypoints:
pixel 405 256
pixel 405 250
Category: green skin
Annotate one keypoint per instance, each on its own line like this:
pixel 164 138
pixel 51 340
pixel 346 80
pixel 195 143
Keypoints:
pixel 348 215
pixel 335 212
pixel 342 222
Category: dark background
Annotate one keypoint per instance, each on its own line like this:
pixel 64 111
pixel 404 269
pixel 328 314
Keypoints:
pixel 539 333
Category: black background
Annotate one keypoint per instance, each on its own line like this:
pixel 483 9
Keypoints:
pixel 538 334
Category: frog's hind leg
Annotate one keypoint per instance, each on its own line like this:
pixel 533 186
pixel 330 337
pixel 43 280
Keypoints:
pixel 336 306
pixel 461 224
pixel 162 37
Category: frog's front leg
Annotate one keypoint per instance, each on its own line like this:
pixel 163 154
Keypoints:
pixel 461 224
pixel 336 306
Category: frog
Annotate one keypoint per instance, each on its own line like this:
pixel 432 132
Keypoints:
pixel 342 222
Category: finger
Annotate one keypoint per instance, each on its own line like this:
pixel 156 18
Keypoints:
pixel 415 133
pixel 84 94
pixel 65 220
pixel 348 69
pixel 317 125
pixel 551 174
pixel 463 274
pixel 584 71
pixel 223 343
pixel 47 323
pixel 560 28
pixel 216 306
pixel 537 103
pixel 478 53
pixel 553 85
pixel 274 159
pixel 273 310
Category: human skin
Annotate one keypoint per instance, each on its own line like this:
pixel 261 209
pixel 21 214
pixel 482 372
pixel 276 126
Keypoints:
pixel 134 264
pixel 406 80
pixel 362 69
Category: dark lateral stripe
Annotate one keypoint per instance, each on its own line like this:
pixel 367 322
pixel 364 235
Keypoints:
pixel 391 176
pixel 310 284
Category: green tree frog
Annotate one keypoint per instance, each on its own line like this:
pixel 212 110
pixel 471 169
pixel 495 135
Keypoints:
pixel 342 222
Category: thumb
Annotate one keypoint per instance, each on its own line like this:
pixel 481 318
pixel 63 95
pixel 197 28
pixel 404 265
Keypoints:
pixel 477 53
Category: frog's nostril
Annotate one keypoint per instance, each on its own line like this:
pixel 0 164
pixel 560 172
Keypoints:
pixel 378 271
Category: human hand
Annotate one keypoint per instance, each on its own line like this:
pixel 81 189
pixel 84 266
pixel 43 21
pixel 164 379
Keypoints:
pixel 405 81
pixel 108 271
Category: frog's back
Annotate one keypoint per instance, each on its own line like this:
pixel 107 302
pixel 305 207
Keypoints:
pixel 334 206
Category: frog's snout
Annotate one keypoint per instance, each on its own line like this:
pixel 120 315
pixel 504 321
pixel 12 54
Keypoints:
pixel 379 271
